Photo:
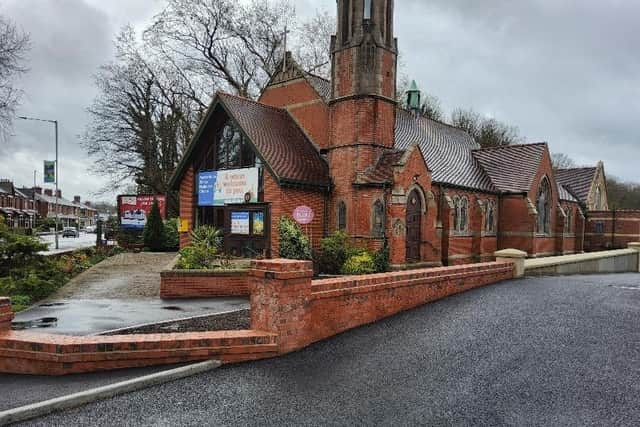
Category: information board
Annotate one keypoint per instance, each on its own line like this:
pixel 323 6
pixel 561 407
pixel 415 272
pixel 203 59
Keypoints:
pixel 218 188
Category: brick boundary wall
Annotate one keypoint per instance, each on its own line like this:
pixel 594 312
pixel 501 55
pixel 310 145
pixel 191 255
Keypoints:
pixel 203 284
pixel 41 354
pixel 6 314
pixel 288 312
pixel 606 230
pixel 285 301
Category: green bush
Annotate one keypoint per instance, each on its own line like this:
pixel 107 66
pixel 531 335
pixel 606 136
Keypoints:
pixel 381 259
pixel 334 252
pixel 359 264
pixel 154 238
pixel 171 235
pixel 294 244
pixel 203 253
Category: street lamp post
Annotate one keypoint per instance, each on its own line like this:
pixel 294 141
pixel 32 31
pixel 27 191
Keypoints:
pixel 55 123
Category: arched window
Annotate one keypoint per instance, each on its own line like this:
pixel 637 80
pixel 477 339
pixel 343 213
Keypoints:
pixel 233 150
pixel 464 214
pixel 543 204
pixel 598 199
pixel 378 219
pixel 490 217
pixel 456 213
pixel 342 216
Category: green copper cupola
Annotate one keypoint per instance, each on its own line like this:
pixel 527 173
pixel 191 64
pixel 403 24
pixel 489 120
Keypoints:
pixel 413 97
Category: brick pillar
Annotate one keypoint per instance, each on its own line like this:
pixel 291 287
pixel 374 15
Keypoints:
pixel 6 314
pixel 514 256
pixel 280 293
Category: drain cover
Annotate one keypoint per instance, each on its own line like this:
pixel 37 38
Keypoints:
pixel 52 304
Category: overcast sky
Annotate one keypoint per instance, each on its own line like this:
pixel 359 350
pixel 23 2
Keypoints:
pixel 565 72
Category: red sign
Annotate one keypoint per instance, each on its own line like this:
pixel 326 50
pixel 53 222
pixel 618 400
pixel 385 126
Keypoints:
pixel 303 215
pixel 134 210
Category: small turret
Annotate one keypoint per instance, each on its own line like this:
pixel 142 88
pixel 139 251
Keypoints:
pixel 413 98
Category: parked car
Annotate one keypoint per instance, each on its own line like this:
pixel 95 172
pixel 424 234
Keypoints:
pixel 91 229
pixel 70 232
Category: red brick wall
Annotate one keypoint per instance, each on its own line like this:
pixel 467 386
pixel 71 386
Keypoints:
pixel 203 284
pixel 516 226
pixel 41 354
pixel 284 201
pixel 285 301
pixel 305 105
pixel 626 230
pixel 187 203
pixel 6 315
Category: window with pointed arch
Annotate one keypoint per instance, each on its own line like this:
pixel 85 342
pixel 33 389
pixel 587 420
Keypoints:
pixel 461 214
pixel 490 217
pixel 378 219
pixel 598 199
pixel 342 216
pixel 543 205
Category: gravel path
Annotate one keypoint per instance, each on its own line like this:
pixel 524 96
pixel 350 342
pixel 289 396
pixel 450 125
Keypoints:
pixel 124 276
pixel 236 320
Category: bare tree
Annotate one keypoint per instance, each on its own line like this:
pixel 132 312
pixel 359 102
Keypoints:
pixel 14 46
pixel 141 119
pixel 224 44
pixel 562 161
pixel 487 132
pixel 312 41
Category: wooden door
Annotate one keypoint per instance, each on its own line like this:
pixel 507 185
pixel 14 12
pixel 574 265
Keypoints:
pixel 414 226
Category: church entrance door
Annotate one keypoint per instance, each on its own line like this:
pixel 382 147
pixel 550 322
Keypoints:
pixel 414 227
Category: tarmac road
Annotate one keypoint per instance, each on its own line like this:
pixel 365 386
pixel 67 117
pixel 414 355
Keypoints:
pixel 539 351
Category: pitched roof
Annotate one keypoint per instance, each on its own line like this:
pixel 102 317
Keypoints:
pixel 511 168
pixel 279 141
pixel 577 180
pixel 447 150
pixel 565 194
pixel 321 85
pixel 382 171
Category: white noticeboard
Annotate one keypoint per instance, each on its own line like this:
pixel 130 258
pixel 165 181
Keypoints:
pixel 240 223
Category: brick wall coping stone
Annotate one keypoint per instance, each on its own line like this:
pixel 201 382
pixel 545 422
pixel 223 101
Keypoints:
pixel 400 281
pixel 635 246
pixel 204 273
pixel 510 253
pixel 574 259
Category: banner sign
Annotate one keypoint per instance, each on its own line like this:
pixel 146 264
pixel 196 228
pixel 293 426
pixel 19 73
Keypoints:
pixel 134 210
pixel 49 172
pixel 240 223
pixel 218 188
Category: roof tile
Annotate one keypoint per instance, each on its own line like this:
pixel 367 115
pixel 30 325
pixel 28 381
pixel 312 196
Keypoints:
pixel 279 141
pixel 577 180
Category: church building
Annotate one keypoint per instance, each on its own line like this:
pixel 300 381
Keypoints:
pixel 343 155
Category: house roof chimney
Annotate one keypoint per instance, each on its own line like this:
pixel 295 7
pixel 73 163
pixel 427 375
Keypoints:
pixel 48 192
pixel 76 199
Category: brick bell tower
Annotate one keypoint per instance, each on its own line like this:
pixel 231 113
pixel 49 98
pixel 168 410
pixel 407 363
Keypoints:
pixel 363 96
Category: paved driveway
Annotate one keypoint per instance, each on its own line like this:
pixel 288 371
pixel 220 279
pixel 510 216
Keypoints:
pixel 121 291
pixel 548 351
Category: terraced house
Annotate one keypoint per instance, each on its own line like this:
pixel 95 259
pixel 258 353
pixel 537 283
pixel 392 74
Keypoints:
pixel 345 151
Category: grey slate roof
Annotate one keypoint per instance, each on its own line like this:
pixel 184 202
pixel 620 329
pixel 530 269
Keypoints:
pixel 565 195
pixel 321 85
pixel 511 168
pixel 577 180
pixel 447 150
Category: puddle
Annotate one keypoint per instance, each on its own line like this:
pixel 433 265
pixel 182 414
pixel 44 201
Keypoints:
pixel 172 308
pixel 627 287
pixel 52 304
pixel 45 322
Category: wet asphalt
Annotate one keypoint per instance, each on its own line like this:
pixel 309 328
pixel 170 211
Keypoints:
pixel 536 351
